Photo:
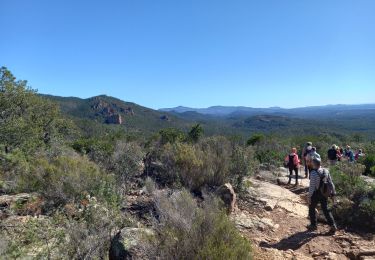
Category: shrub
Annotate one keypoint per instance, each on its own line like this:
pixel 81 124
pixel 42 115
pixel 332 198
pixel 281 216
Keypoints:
pixel 270 151
pixel 211 162
pixel 369 162
pixel 243 164
pixel 188 231
pixel 171 135
pixel 356 196
pixel 99 151
pixel 127 160
pixel 59 179
pixel 195 133
pixel 87 235
pixel 254 139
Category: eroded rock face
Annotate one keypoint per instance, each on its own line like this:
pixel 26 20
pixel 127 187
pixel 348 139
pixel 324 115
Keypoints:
pixel 227 194
pixel 114 119
pixel 129 243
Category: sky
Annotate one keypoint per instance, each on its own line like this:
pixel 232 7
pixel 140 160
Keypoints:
pixel 196 53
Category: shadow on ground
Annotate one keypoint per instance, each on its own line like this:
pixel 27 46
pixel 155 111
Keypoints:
pixel 294 241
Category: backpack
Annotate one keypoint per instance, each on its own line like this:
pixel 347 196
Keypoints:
pixel 291 161
pixel 332 154
pixel 326 186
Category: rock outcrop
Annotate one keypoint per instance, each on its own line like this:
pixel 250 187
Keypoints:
pixel 114 119
pixel 20 204
pixel 112 112
pixel 227 194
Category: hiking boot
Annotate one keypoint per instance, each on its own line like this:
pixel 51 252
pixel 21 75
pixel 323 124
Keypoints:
pixel 312 227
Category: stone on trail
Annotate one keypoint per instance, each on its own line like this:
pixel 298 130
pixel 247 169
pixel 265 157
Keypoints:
pixel 227 194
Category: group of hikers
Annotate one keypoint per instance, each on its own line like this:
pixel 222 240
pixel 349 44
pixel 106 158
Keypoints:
pixel 321 186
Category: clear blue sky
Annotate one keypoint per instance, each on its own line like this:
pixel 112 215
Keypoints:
pixel 196 53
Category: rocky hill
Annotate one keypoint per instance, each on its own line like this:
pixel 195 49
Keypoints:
pixel 112 111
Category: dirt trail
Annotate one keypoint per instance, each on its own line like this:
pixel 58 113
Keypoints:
pixel 274 217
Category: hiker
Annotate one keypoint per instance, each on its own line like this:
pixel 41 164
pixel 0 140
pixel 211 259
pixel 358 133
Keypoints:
pixel 332 155
pixel 306 150
pixel 339 153
pixel 349 154
pixel 319 178
pixel 292 162
pixel 313 154
pixel 346 151
pixel 310 156
pixel 359 155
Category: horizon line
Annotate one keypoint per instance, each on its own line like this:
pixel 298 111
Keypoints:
pixel 234 106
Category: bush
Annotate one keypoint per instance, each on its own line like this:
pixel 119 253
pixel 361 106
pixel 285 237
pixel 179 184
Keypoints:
pixel 99 151
pixel 171 135
pixel 86 235
pixel 188 231
pixel 356 196
pixel 243 164
pixel 60 179
pixel 126 161
pixel 195 133
pixel 211 162
pixel 369 162
pixel 254 139
pixel 270 151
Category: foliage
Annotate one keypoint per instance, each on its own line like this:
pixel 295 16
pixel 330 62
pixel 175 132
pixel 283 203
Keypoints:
pixel 60 180
pixel 126 162
pixel 255 138
pixel 188 231
pixel 195 133
pixel 369 162
pixel 211 162
pixel 76 232
pixel 356 196
pixel 243 164
pixel 27 121
pixel 271 151
pixel 171 135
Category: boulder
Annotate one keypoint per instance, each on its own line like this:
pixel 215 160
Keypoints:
pixel 227 194
pixel 21 204
pixel 129 243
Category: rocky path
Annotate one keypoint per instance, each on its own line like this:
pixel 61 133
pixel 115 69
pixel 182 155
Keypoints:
pixel 274 217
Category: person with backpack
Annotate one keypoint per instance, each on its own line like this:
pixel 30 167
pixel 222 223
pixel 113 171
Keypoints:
pixel 292 163
pixel 320 189
pixel 332 155
pixel 310 156
pixel 306 150
pixel 350 154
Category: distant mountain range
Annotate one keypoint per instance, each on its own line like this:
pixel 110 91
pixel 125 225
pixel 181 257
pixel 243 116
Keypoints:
pixel 99 114
pixel 325 111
